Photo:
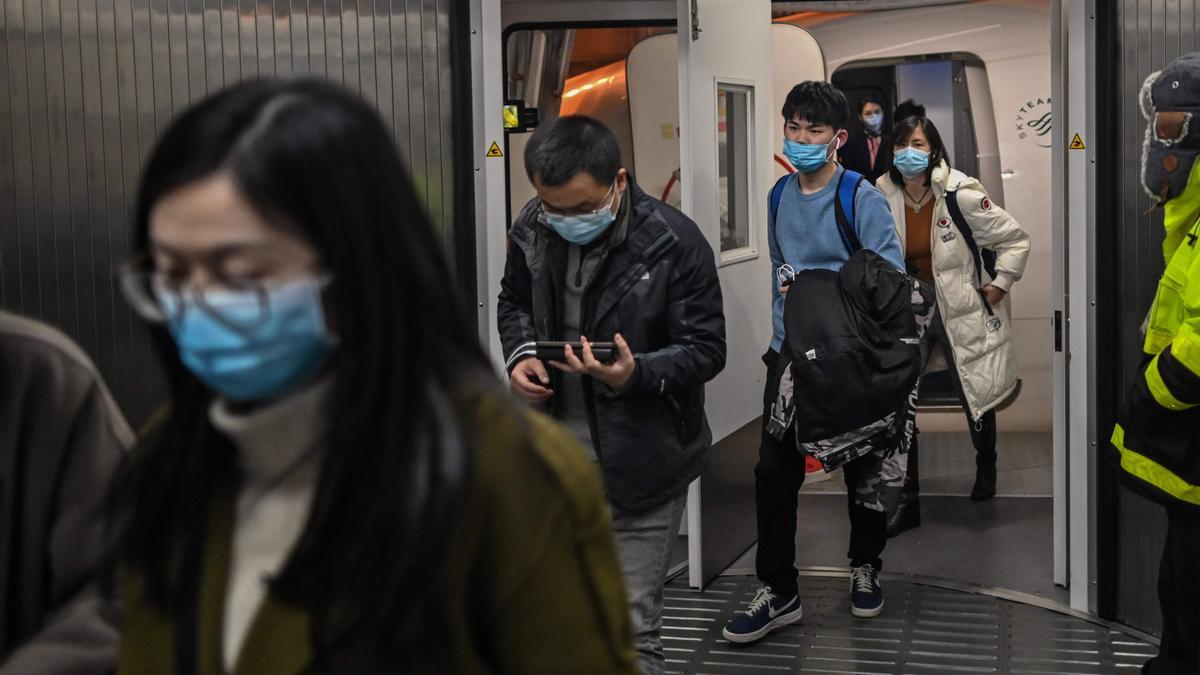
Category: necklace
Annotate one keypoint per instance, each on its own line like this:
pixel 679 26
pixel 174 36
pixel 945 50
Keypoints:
pixel 919 203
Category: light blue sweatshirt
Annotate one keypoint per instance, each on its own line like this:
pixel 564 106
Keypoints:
pixel 806 236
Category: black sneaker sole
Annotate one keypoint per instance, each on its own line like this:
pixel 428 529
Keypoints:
pixel 778 622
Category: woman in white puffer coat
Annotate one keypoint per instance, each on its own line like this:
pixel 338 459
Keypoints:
pixel 943 246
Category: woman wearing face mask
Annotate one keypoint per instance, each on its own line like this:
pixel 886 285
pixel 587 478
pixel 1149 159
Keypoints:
pixel 869 152
pixel 338 485
pixel 949 230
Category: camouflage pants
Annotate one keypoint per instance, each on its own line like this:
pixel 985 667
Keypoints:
pixel 879 486
pixel 880 479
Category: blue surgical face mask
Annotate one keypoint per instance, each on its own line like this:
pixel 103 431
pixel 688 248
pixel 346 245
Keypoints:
pixel 808 157
pixel 582 228
pixel 250 345
pixel 911 162
pixel 873 122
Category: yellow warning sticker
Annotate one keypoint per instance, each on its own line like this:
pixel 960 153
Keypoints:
pixel 1077 143
pixel 495 150
pixel 512 118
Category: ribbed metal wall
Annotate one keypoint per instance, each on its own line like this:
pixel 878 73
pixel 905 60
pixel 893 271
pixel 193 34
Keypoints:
pixel 1150 34
pixel 86 85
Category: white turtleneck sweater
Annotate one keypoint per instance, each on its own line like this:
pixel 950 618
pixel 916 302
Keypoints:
pixel 278 450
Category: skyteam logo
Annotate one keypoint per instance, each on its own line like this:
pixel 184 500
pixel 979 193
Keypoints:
pixel 1035 121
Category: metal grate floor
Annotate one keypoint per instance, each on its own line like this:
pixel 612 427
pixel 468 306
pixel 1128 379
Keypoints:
pixel 923 630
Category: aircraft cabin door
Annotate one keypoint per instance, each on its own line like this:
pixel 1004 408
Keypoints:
pixel 726 116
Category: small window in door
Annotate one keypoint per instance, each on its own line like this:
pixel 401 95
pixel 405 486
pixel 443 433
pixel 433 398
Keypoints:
pixel 735 112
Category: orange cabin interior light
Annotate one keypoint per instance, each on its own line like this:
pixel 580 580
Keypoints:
pixel 579 91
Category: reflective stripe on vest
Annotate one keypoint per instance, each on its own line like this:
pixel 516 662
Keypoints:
pixel 1153 473
pixel 1160 390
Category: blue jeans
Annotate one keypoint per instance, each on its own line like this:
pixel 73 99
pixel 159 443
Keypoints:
pixel 644 546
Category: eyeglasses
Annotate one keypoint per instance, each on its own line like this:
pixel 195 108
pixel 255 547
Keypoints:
pixel 544 211
pixel 157 298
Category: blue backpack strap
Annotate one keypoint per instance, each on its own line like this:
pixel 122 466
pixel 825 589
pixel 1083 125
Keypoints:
pixel 777 195
pixel 844 209
pixel 773 204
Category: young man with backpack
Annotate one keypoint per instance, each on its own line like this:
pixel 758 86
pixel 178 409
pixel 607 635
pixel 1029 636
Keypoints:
pixel 818 217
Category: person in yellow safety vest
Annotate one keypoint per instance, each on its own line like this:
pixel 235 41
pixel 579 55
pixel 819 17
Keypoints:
pixel 1156 442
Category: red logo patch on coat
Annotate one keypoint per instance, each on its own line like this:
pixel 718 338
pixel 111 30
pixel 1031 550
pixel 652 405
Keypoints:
pixel 986 204
pixel 944 222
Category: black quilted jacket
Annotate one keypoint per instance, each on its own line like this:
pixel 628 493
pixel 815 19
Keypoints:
pixel 852 346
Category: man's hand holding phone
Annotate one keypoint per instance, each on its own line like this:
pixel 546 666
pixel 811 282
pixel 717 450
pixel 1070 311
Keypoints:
pixel 616 374
pixel 530 381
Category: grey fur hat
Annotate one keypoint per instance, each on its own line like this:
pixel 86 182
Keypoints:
pixel 1170 100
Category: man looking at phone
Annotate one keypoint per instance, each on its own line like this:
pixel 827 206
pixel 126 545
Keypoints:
pixel 592 257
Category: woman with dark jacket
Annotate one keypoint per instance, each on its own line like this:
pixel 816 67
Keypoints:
pixel 340 485
pixel 868 152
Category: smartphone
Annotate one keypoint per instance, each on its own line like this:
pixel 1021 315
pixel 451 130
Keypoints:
pixel 553 351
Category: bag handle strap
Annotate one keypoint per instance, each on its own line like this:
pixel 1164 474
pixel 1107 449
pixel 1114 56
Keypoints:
pixel 960 222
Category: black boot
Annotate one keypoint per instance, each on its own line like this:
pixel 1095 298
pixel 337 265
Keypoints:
pixel 908 509
pixel 983 434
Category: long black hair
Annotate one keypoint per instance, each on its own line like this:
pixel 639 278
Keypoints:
pixel 311 156
pixel 903 131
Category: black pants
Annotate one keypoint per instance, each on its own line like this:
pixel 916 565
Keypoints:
pixel 777 480
pixel 983 433
pixel 1179 597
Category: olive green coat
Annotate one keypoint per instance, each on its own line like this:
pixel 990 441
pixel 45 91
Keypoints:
pixel 534 581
